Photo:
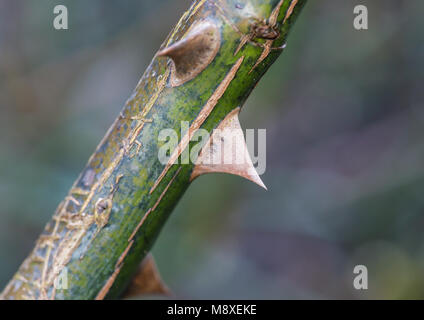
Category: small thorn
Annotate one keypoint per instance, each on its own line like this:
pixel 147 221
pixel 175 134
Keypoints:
pixel 193 53
pixel 147 280
pixel 227 152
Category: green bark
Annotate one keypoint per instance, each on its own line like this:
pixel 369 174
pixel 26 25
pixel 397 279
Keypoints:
pixel 114 211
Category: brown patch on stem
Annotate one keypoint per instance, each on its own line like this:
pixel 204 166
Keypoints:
pixel 290 9
pixel 118 266
pixel 103 292
pixel 139 224
pixel 166 189
pixel 154 206
pixel 123 255
pixel 204 113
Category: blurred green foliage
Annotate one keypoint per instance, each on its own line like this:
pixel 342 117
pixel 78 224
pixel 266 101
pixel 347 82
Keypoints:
pixel 345 130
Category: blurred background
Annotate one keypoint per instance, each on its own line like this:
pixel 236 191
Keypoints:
pixel 344 116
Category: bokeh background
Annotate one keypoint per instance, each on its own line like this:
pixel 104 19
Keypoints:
pixel 344 116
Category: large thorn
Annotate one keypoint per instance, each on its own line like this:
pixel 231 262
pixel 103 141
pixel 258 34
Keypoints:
pixel 147 280
pixel 194 52
pixel 226 152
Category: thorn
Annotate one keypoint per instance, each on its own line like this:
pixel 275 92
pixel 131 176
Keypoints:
pixel 193 53
pixel 226 152
pixel 147 280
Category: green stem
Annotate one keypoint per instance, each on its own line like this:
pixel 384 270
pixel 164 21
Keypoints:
pixel 117 207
